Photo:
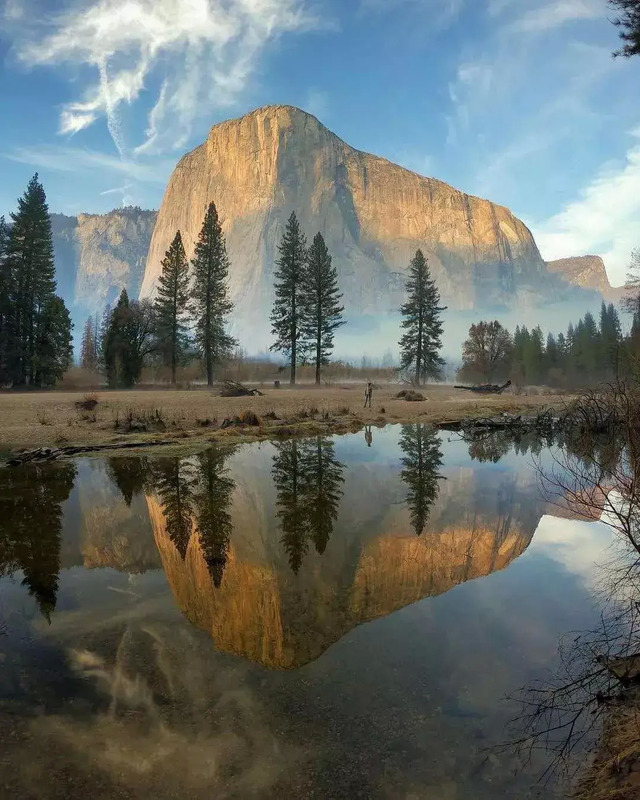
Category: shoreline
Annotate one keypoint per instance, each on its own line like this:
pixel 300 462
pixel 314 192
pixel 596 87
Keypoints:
pixel 29 421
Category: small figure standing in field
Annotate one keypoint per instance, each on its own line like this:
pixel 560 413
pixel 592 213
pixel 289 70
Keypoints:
pixel 368 394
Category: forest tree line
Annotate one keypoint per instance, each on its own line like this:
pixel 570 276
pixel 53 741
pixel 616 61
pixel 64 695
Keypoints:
pixel 590 351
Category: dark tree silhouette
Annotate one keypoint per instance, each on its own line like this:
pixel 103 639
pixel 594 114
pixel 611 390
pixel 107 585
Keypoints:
pixel 288 305
pixel 210 295
pixel 323 473
pixel 212 501
pixel 171 307
pixel 307 476
pixel 421 461
pixel 288 472
pixel 30 527
pixel 322 312
pixel 628 21
pixel 130 474
pixel 174 480
pixel 421 342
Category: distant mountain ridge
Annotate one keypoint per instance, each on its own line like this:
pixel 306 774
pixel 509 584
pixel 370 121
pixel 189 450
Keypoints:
pixel 97 255
pixel 587 272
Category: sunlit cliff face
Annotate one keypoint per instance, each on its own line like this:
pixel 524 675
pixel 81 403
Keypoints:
pixel 373 215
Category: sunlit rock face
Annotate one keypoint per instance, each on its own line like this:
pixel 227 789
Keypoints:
pixel 586 272
pixel 372 213
pixel 373 564
pixel 98 255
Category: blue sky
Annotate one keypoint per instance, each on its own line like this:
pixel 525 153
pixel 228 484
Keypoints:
pixel 518 101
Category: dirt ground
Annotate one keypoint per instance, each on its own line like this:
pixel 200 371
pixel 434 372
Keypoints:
pixel 37 419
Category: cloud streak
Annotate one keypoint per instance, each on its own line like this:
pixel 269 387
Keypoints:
pixel 602 220
pixel 192 55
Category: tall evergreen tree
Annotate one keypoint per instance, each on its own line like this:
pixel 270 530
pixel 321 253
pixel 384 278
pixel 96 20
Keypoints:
pixel 32 284
pixel 211 304
pixel 171 306
pixel 322 312
pixel 88 351
pixel 421 343
pixel 212 504
pixel 54 349
pixel 5 302
pixel 421 460
pixel 288 307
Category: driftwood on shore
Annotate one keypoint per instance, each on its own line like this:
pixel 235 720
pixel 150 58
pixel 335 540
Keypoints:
pixel 43 454
pixel 486 388
pixel 542 422
pixel 235 389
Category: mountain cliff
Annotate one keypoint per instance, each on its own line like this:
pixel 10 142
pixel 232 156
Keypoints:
pixel 586 272
pixel 97 255
pixel 372 213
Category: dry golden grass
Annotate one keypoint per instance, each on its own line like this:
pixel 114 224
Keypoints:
pixel 36 419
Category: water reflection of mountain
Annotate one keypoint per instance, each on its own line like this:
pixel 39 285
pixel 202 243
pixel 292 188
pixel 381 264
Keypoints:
pixel 373 563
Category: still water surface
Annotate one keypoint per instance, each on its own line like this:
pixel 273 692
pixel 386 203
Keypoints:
pixel 326 618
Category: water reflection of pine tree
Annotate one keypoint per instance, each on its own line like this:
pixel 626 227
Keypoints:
pixel 307 477
pixel 130 474
pixel 30 527
pixel 212 500
pixel 324 476
pixel 174 480
pixel 421 461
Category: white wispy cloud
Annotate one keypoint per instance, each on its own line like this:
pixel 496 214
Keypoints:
pixel 602 220
pixel 538 16
pixel 78 160
pixel 201 54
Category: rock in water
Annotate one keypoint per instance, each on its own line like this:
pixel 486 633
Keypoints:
pixel 372 213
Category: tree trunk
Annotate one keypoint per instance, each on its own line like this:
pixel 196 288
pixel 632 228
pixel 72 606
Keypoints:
pixel 318 357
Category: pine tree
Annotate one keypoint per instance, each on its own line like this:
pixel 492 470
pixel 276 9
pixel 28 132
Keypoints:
pixel 628 21
pixel 31 528
pixel 289 477
pixel 5 299
pixel 171 306
pixel 212 503
pixel 610 340
pixel 421 344
pixel 211 304
pixel 322 312
pixel 323 476
pixel 54 349
pixel 288 307
pixel 130 474
pixel 88 346
pixel 174 480
pixel 421 461
pixel 32 282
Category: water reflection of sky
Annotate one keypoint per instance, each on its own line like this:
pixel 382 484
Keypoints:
pixel 131 697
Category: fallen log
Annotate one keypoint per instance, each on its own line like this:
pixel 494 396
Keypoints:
pixel 235 389
pixel 486 388
pixel 43 454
